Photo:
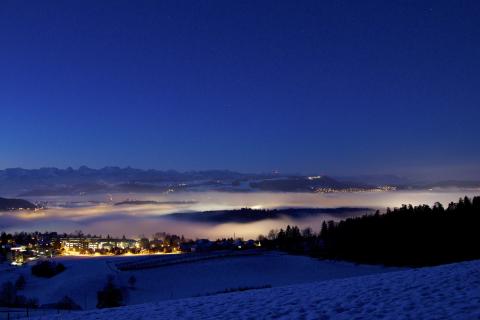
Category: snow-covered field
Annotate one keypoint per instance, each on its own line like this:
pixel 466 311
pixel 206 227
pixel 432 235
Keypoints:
pixel 444 292
pixel 84 276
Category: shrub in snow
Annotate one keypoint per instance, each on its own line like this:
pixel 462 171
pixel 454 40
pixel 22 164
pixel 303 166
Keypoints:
pixel 47 269
pixel 66 303
pixel 132 281
pixel 9 298
pixel 110 296
pixel 8 294
pixel 20 283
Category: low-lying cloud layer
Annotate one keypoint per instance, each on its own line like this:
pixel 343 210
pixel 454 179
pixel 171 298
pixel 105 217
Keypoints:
pixel 161 212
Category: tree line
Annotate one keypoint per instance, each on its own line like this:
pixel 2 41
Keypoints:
pixel 405 236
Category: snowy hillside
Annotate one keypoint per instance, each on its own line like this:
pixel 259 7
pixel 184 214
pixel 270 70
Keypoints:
pixel 84 276
pixel 444 292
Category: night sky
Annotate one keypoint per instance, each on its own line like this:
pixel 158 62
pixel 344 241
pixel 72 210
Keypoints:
pixel 339 87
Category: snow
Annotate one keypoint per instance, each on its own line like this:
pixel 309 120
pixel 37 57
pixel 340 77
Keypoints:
pixel 443 292
pixel 84 276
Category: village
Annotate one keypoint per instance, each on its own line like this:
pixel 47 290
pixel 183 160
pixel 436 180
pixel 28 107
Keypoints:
pixel 20 248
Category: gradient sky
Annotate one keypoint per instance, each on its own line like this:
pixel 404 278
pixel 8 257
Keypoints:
pixel 336 87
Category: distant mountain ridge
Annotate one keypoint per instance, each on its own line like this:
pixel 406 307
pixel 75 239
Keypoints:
pixel 305 184
pixel 53 181
pixel 377 179
pixel 113 174
pixel 47 181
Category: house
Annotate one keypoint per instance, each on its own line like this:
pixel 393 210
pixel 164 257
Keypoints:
pixel 17 255
pixel 94 244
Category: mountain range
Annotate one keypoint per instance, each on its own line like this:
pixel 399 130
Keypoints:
pixel 84 180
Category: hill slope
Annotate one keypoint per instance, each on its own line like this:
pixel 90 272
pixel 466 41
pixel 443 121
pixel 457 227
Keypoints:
pixel 15 204
pixel 443 292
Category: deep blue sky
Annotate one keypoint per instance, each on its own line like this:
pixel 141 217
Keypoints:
pixel 299 86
